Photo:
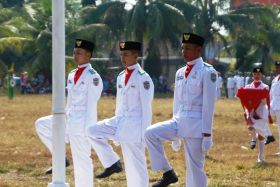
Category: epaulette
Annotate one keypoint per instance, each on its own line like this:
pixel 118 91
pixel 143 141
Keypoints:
pixel 141 72
pixel 121 72
pixel 207 65
pixel 74 70
pixel 92 71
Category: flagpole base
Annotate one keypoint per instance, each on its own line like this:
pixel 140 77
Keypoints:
pixel 58 185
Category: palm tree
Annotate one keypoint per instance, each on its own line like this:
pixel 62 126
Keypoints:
pixel 39 13
pixel 109 17
pixel 11 3
pixel 88 2
pixel 212 19
pixel 157 23
pixel 15 37
pixel 258 46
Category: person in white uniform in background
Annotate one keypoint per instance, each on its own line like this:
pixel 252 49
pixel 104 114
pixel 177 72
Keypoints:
pixel 247 78
pixel 219 85
pixel 135 91
pixel 257 119
pixel 240 81
pixel 193 113
pixel 275 98
pixel 84 87
pixel 230 86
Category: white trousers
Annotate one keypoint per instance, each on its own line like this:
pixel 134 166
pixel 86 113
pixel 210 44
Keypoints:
pixel 219 93
pixel 267 130
pixel 167 131
pixel 80 149
pixel 277 114
pixel 133 154
pixel 231 93
pixel 261 126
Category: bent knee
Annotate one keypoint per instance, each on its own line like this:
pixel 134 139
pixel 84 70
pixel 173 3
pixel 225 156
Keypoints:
pixel 149 132
pixel 91 130
pixel 38 124
pixel 43 124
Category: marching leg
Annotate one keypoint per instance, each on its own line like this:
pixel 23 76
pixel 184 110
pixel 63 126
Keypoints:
pixel 82 162
pixel 43 128
pixel 195 159
pixel 155 135
pixel 135 165
pixel 261 150
pixel 98 135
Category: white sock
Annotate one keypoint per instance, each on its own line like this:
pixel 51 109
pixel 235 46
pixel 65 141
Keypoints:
pixel 261 149
pixel 268 131
pixel 253 134
pixel 167 169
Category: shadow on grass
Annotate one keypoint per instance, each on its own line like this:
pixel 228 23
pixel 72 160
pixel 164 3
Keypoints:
pixel 264 165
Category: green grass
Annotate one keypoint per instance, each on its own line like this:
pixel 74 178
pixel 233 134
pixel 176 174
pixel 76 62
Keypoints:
pixel 23 158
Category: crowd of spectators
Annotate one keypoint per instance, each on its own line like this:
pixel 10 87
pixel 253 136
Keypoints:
pixel 40 84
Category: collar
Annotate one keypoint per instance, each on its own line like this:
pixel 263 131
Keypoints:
pixel 198 63
pixel 132 67
pixel 83 65
pixel 195 61
pixel 257 81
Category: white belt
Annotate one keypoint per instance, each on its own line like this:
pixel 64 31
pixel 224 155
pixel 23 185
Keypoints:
pixel 191 108
pixel 77 108
pixel 131 114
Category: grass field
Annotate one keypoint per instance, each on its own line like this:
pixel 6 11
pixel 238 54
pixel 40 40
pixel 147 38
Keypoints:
pixel 23 158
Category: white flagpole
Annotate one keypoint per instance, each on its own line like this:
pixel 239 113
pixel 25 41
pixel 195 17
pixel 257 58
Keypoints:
pixel 58 96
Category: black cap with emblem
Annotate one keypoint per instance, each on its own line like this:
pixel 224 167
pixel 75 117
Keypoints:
pixel 84 44
pixel 257 67
pixel 130 45
pixel 277 63
pixel 193 39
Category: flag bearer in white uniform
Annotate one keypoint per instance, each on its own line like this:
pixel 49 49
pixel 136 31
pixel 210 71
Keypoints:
pixel 84 87
pixel 193 113
pixel 275 97
pixel 257 119
pixel 135 91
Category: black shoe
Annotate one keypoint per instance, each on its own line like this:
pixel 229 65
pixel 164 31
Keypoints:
pixel 168 177
pixel 115 168
pixel 252 144
pixel 269 139
pixel 49 171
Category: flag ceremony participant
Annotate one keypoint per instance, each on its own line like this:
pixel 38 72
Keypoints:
pixel 219 86
pixel 135 91
pixel 275 97
pixel 84 87
pixel 193 113
pixel 230 86
pixel 257 118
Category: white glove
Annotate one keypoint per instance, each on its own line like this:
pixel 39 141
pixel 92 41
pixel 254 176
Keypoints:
pixel 176 145
pixel 207 143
